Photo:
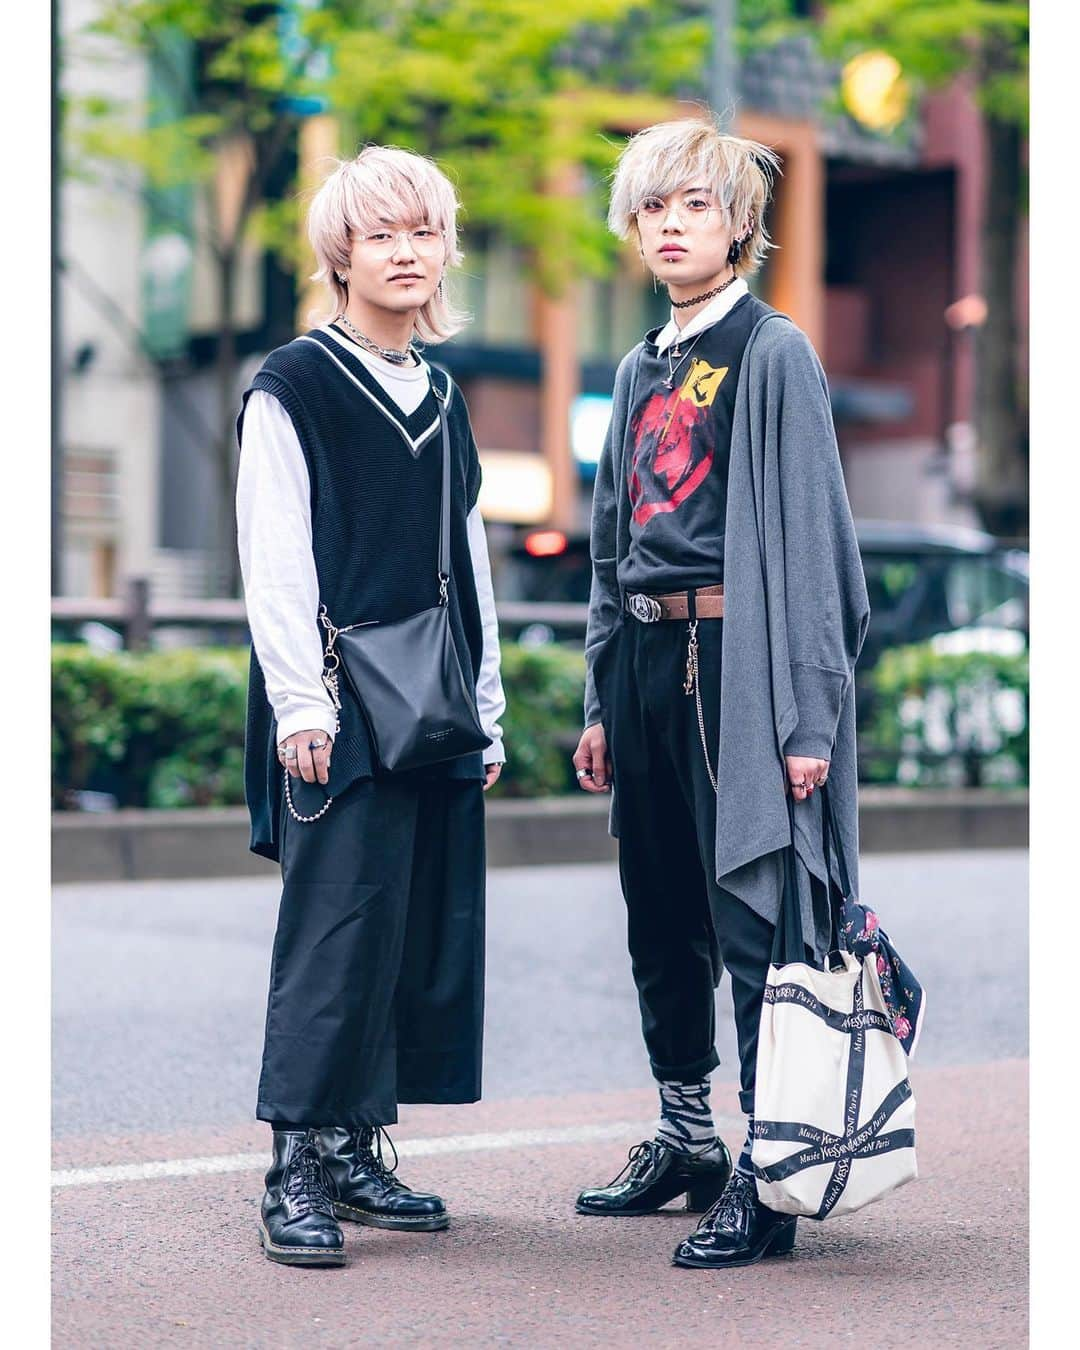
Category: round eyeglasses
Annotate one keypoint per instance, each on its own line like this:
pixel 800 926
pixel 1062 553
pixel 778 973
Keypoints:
pixel 693 211
pixel 424 240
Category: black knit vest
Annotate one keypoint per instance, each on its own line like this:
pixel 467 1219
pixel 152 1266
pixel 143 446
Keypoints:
pixel 375 483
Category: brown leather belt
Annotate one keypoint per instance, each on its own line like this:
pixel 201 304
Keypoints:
pixel 709 603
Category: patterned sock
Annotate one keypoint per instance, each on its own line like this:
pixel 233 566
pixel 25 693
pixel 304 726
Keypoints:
pixel 744 1164
pixel 686 1122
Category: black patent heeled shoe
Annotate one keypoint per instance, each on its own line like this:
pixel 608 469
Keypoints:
pixel 654 1175
pixel 738 1231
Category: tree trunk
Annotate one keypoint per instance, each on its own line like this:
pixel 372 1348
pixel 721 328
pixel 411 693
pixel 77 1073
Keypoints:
pixel 227 366
pixel 1001 493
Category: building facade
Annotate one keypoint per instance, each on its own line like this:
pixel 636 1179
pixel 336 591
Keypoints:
pixel 878 236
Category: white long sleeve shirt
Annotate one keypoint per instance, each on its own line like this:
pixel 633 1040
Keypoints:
pixel 273 514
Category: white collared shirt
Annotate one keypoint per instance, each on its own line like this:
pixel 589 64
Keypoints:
pixel 712 313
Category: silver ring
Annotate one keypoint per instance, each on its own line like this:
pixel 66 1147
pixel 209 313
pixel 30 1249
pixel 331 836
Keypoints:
pixel 583 773
pixel 798 785
pixel 290 752
pixel 316 745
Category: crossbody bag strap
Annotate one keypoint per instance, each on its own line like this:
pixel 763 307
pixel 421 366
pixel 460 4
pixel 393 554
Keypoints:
pixel 330 656
pixel 444 508
pixel 331 660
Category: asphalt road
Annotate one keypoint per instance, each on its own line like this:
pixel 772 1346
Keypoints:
pixel 158 993
pixel 159 988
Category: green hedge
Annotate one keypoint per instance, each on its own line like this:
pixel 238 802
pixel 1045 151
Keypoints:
pixel 153 729
pixel 166 729
pixel 948 718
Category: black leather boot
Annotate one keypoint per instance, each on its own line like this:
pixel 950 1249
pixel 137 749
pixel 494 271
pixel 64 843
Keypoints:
pixel 738 1231
pixel 657 1174
pixel 297 1225
pixel 365 1190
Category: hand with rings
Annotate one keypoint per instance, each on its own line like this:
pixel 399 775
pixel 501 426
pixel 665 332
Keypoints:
pixel 804 774
pixel 591 760
pixel 306 755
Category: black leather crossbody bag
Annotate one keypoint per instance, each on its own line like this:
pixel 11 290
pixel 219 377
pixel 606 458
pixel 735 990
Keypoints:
pixel 406 674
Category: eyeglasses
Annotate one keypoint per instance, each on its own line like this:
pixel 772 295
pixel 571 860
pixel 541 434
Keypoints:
pixel 423 239
pixel 694 211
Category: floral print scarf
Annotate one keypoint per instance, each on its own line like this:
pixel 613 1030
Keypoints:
pixel 862 935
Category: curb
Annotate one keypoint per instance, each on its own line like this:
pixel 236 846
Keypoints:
pixel 170 845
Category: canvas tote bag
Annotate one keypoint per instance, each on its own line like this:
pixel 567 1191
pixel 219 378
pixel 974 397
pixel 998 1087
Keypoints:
pixel 834 1114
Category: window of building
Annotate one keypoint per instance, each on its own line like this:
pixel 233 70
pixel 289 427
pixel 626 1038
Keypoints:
pixel 493 284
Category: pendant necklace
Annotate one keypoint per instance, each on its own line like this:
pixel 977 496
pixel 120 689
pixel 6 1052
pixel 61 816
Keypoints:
pixel 409 357
pixel 674 349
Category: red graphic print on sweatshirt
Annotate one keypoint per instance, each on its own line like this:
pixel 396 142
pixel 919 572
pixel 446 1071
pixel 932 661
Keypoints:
pixel 673 447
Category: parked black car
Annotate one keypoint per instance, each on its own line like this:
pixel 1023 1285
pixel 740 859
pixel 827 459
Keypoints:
pixel 922 580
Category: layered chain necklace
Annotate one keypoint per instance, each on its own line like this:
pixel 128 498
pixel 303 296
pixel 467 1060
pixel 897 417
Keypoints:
pixel 674 365
pixel 409 357
pixel 675 355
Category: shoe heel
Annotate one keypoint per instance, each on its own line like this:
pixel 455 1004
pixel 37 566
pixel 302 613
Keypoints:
pixel 702 1195
pixel 783 1240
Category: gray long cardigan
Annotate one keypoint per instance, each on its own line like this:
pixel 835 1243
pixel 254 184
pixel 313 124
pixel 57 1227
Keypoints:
pixel 795 615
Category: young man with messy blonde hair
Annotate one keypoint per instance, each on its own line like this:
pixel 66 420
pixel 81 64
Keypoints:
pixel 728 608
pixel 376 982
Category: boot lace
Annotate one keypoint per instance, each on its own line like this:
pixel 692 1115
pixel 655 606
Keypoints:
pixel 374 1135
pixel 304 1181
pixel 640 1157
pixel 736 1196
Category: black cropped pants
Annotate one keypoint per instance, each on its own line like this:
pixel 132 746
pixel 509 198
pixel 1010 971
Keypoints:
pixel 683 929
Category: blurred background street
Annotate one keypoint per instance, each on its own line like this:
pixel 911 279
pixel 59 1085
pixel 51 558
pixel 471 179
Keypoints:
pixel 191 137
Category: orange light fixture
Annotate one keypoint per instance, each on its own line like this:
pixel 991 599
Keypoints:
pixel 545 543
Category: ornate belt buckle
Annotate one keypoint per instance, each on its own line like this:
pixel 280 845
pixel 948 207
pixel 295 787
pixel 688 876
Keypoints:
pixel 644 607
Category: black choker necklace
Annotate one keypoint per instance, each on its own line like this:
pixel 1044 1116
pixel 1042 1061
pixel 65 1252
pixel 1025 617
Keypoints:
pixel 709 295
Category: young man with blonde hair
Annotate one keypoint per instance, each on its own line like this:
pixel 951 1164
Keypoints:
pixel 728 608
pixel 376 983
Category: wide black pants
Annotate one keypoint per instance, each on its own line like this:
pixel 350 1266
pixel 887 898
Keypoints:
pixel 377 974
pixel 683 928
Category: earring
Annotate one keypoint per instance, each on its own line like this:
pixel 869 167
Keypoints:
pixel 735 251
pixel 341 277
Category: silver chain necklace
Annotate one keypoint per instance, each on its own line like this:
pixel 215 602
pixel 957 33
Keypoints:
pixel 410 356
pixel 673 350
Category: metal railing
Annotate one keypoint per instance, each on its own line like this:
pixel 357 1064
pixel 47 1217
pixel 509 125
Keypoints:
pixel 136 616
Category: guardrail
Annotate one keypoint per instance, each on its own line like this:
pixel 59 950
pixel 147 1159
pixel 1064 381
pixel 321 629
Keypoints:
pixel 137 615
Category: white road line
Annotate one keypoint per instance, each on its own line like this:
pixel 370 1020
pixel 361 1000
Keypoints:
pixel 408 1148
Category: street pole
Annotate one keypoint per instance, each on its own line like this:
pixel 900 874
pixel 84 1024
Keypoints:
pixel 723 72
pixel 56 453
